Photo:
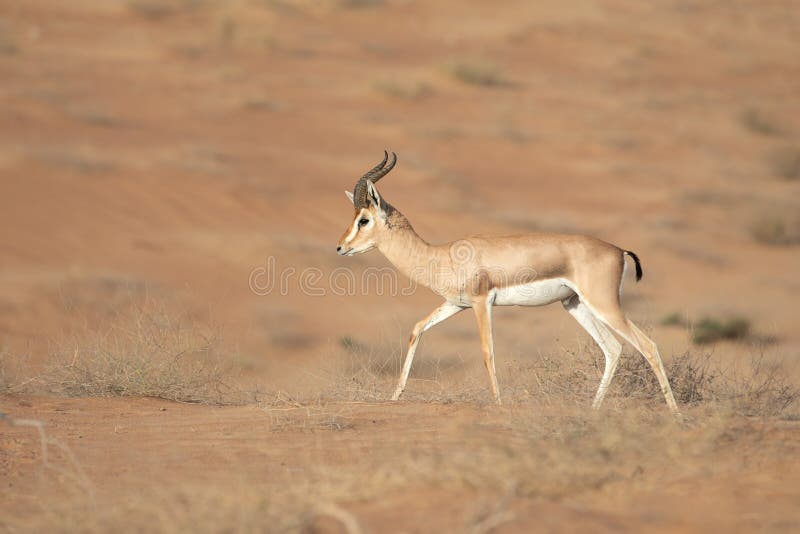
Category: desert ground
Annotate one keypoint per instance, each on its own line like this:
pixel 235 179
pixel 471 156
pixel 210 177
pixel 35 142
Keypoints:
pixel 181 348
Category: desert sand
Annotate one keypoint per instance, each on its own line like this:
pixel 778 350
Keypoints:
pixel 160 160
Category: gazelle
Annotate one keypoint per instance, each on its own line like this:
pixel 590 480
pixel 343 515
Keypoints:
pixel 583 273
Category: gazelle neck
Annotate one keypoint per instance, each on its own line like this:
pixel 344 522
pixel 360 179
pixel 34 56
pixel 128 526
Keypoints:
pixel 408 252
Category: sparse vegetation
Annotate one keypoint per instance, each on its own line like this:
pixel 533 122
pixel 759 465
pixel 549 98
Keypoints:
pixel 159 9
pixel 7 46
pixel 4 384
pixel 753 387
pixel 227 32
pixel 149 355
pixel 784 162
pixel 361 4
pixel 93 116
pixel 473 72
pixel 406 90
pixel 80 160
pixel 560 448
pixel 263 104
pixel 673 319
pixel 757 122
pixel 711 330
pixel 773 229
pixel 514 134
pixel 350 344
pixel 162 148
pixel 152 9
pixel 556 450
pixel 690 376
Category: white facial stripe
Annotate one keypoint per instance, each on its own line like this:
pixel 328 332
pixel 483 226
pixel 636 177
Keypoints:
pixel 353 231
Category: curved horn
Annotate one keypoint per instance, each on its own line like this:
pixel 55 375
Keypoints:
pixel 376 175
pixel 360 194
pixel 373 175
pixel 377 167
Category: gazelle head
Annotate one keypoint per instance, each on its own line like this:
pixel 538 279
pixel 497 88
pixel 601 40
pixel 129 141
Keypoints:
pixel 370 216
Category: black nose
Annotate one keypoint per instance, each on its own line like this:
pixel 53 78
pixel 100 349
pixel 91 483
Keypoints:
pixel 338 249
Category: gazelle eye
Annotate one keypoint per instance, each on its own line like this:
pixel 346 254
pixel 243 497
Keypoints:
pixel 363 222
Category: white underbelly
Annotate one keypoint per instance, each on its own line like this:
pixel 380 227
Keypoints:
pixel 536 293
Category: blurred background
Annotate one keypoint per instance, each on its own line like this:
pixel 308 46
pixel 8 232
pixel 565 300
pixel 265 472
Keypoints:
pixel 165 149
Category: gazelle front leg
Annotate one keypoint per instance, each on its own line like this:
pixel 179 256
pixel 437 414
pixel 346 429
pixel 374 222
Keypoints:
pixel 483 313
pixel 438 315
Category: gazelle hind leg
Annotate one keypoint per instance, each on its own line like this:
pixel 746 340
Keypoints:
pixel 615 319
pixel 483 314
pixel 438 315
pixel 655 361
pixel 611 347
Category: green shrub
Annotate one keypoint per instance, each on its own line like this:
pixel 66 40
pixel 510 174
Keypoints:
pixel 710 330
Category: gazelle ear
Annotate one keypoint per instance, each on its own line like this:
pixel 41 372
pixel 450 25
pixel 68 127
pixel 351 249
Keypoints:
pixel 350 196
pixel 372 194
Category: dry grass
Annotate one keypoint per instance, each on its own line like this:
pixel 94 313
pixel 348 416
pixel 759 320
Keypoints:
pixel 518 453
pixel 756 387
pixel 4 380
pixel 403 89
pixel 775 229
pixel 145 353
pixel 153 9
pixel 75 159
pixel 758 122
pixel 148 353
pixel 752 387
pixel 160 9
pixel 474 72
pixel 544 443
pixel 784 162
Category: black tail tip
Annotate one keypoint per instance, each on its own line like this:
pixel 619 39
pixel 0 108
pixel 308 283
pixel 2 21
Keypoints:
pixel 638 264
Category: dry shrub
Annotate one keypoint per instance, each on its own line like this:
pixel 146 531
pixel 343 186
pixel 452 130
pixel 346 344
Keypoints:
pixel 4 381
pixel 549 380
pixel 519 454
pixel 287 413
pixel 365 372
pixel 369 372
pixel 178 508
pixel 156 9
pixel 775 229
pixel 710 330
pixel 480 73
pixel 673 319
pixel 755 387
pixel 14 375
pixel 563 455
pixel 360 4
pixel 402 89
pixel 784 162
pixel 148 353
pixel 691 377
pixel 757 122
pixel 761 388
pixel 544 443
pixel 150 9
pixel 571 378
